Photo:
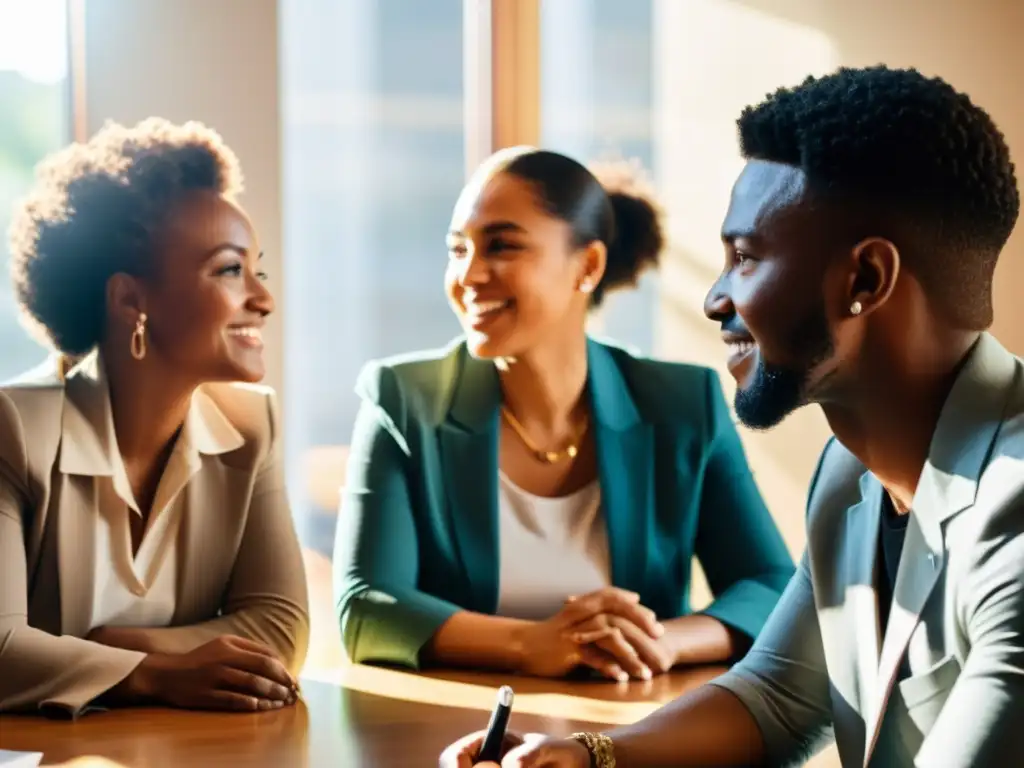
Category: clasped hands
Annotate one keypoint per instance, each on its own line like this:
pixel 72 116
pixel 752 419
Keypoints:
pixel 608 631
pixel 227 673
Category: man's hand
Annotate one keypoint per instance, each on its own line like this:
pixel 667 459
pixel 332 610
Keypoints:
pixel 531 751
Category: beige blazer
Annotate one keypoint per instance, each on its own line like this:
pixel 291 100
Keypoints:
pixel 821 667
pixel 240 567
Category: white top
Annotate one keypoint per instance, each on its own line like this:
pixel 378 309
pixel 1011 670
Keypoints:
pixel 141 591
pixel 549 549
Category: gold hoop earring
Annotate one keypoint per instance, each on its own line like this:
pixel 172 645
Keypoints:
pixel 138 343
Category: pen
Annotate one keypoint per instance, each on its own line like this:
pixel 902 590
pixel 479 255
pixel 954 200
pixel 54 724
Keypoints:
pixel 491 748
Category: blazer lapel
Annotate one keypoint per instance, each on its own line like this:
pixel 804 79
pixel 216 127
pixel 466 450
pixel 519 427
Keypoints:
pixel 86 445
pixel 208 494
pixel 920 565
pixel 469 456
pixel 76 553
pixel 967 425
pixel 862 524
pixel 209 525
pixel 625 463
pixel 842 551
pixel 88 450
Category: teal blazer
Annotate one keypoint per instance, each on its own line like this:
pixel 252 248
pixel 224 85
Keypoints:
pixel 417 536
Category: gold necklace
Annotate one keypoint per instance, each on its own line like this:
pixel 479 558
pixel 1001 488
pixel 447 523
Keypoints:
pixel 548 457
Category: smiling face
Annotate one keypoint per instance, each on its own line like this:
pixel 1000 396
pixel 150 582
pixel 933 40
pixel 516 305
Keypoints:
pixel 206 303
pixel 771 297
pixel 513 275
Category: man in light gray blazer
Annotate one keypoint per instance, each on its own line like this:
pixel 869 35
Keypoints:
pixel 861 241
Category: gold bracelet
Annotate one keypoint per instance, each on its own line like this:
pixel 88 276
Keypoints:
pixel 602 752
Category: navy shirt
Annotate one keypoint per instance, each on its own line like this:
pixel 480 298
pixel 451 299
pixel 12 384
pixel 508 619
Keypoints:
pixel 890 543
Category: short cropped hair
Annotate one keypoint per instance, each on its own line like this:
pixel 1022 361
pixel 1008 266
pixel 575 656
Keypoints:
pixel 95 210
pixel 906 147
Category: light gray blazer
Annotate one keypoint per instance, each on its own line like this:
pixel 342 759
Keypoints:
pixel 820 666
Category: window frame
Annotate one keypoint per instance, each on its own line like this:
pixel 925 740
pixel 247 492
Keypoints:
pixel 501 71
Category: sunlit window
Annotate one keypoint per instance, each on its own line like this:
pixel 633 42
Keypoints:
pixel 596 104
pixel 34 105
pixel 372 124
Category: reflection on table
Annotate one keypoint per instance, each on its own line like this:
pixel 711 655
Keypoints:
pixel 357 716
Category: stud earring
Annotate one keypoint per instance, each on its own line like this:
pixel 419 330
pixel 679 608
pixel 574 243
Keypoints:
pixel 586 287
pixel 856 308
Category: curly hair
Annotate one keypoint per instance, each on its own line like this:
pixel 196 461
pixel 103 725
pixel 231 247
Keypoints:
pixel 892 142
pixel 96 210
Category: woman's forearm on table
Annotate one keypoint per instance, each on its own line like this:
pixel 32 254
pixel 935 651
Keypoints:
pixel 700 639
pixel 126 638
pixel 470 639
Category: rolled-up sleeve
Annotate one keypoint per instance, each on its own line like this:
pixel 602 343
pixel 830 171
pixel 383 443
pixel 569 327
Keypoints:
pixel 384 617
pixel 783 680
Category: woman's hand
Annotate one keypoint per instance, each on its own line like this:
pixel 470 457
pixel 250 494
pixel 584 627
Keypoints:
pixel 633 648
pixel 229 673
pixel 552 650
pixel 531 751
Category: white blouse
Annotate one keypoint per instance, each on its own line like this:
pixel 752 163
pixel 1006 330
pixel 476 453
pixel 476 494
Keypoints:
pixel 549 549
pixel 141 591
pixel 135 591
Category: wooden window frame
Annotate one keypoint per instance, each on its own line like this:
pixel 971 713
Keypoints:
pixel 501 66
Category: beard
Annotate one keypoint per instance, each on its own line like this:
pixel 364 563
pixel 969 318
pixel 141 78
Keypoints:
pixel 776 391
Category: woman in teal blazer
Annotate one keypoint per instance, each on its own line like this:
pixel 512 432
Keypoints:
pixel 531 499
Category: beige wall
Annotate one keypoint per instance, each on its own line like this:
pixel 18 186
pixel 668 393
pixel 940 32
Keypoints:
pixel 756 46
pixel 208 60
pixel 713 57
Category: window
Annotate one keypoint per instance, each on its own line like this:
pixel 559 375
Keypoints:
pixel 373 161
pixel 662 82
pixel 374 107
pixel 34 102
pixel 596 90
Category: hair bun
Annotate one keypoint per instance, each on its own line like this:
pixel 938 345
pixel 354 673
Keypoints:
pixel 639 235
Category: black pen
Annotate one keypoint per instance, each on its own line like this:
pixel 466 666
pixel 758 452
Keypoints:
pixel 491 748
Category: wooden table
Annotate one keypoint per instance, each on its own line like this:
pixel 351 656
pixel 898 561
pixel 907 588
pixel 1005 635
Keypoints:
pixel 358 716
